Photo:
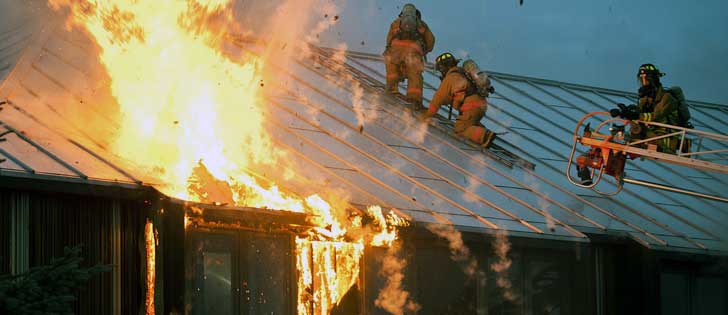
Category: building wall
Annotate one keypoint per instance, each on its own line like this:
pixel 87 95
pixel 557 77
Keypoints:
pixel 5 233
pixel 543 277
pixel 110 230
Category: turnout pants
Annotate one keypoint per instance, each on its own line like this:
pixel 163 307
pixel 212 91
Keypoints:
pixel 405 61
pixel 468 124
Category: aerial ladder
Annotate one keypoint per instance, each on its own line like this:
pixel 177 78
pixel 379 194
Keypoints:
pixel 609 151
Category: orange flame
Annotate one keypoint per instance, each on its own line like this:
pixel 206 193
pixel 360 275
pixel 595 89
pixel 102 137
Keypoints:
pixel 182 103
pixel 387 226
pixel 192 119
pixel 151 247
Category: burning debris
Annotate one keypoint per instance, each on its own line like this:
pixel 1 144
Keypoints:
pixel 151 249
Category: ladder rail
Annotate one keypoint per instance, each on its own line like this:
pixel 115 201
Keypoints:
pixel 607 141
pixel 630 147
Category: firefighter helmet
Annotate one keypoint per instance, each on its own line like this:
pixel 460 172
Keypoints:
pixel 444 62
pixel 648 74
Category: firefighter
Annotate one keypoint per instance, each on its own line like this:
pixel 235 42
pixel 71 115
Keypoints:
pixel 408 42
pixel 655 105
pixel 460 90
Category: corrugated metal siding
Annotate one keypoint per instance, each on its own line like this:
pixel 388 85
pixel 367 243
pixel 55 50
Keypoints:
pixel 4 234
pixel 174 256
pixel 14 208
pixel 132 260
pixel 57 221
pixel 102 225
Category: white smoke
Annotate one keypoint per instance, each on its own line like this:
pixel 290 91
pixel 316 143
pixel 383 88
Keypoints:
pixel 543 204
pixel 471 193
pixel 393 298
pixel 501 247
pixel 459 252
pixel 294 24
pixel 342 78
pixel 415 130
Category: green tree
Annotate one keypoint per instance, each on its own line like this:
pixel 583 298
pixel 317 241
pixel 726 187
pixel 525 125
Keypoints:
pixel 47 289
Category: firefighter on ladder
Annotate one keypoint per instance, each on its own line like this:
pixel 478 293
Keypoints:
pixel 655 105
pixel 408 41
pixel 460 90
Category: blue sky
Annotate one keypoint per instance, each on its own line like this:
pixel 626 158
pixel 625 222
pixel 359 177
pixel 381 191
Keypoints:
pixel 600 43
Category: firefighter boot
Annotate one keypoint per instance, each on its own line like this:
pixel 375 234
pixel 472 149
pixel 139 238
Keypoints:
pixel 417 106
pixel 686 146
pixel 582 170
pixel 488 139
pixel 584 175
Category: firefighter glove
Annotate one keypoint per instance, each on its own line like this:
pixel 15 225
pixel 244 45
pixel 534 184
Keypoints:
pixel 625 112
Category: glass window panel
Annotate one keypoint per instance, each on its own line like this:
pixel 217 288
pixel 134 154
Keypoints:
pixel 709 296
pixel 674 294
pixel 266 274
pixel 548 286
pixel 217 283
pixel 213 265
pixel 502 292
pixel 454 292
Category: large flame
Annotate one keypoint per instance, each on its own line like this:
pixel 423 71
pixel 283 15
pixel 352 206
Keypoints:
pixel 192 119
pixel 181 101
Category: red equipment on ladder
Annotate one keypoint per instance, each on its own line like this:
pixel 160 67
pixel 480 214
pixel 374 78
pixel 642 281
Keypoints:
pixel 608 153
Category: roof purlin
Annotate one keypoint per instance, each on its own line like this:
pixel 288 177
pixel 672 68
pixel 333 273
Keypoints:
pixel 46 152
pixel 647 233
pixel 614 217
pixel 462 170
pixel 397 172
pixel 427 169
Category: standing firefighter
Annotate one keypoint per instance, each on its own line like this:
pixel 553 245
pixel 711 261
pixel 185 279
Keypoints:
pixel 408 41
pixel 461 89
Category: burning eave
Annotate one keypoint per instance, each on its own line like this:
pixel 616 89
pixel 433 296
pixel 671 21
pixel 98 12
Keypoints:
pixel 201 215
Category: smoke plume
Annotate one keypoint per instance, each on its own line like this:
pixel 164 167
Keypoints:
pixel 393 298
pixel 459 252
pixel 502 246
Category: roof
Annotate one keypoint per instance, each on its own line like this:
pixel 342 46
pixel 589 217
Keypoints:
pixel 392 160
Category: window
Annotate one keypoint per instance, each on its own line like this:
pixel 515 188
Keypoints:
pixel 537 282
pixel 689 294
pixel 235 272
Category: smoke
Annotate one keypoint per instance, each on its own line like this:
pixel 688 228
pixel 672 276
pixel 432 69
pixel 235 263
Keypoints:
pixel 543 204
pixel 415 130
pixel 342 77
pixel 294 24
pixel 459 252
pixel 471 192
pixel 393 298
pixel 501 247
